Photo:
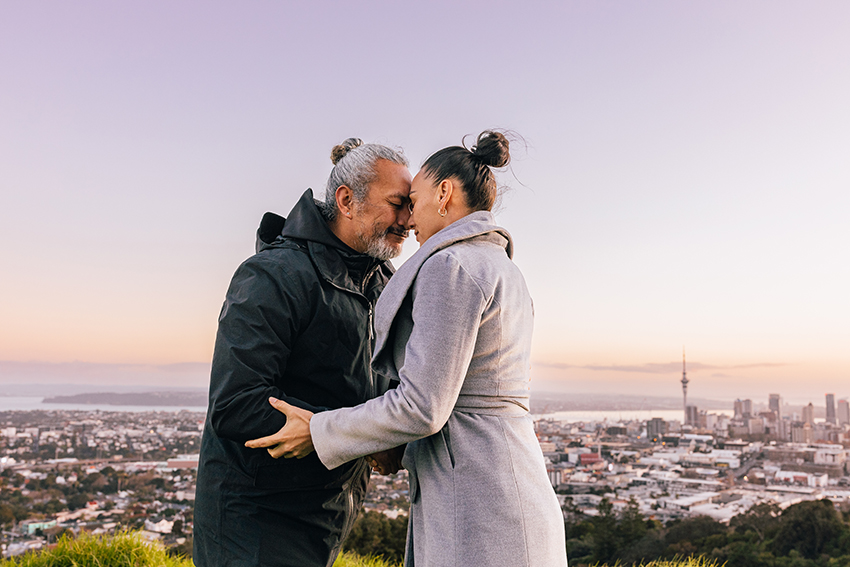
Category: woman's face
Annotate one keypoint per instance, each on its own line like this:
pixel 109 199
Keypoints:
pixel 425 221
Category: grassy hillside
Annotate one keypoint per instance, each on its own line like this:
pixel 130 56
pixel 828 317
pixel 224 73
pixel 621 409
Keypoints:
pixel 689 562
pixel 349 559
pixel 123 550
pixel 130 550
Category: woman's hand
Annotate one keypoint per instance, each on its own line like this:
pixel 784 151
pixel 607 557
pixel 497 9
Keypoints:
pixel 293 439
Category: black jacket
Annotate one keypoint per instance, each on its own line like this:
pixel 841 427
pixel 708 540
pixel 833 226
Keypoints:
pixel 297 325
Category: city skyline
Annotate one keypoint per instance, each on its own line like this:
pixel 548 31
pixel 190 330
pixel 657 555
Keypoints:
pixel 683 179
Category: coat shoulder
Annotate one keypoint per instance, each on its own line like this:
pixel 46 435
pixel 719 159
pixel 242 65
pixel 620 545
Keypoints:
pixel 482 262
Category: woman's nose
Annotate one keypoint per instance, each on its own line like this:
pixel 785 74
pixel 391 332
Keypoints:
pixel 405 218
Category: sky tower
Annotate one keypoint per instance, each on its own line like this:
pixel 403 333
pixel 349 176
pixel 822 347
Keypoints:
pixel 684 386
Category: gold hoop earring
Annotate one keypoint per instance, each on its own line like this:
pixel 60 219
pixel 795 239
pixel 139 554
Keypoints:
pixel 442 212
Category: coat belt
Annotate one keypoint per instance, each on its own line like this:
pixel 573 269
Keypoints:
pixel 484 396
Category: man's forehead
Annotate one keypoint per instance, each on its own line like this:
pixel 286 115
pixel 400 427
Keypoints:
pixel 399 194
pixel 392 182
pixel 390 191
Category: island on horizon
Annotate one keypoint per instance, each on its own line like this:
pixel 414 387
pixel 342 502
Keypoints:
pixel 192 399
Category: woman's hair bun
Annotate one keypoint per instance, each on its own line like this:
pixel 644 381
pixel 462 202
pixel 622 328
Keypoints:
pixel 492 148
pixel 340 150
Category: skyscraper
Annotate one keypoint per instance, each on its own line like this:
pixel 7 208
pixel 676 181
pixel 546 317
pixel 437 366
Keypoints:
pixel 830 408
pixel 739 408
pixel 655 429
pixel 802 432
pixel 774 404
pixel 843 412
pixel 809 414
pixel 692 415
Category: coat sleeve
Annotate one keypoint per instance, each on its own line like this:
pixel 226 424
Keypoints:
pixel 447 307
pixel 257 327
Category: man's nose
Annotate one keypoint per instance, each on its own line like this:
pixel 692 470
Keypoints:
pixel 405 218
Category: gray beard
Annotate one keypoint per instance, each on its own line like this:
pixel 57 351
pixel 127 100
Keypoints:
pixel 380 249
pixel 377 246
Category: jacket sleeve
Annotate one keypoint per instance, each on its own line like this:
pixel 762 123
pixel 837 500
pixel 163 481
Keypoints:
pixel 447 308
pixel 257 327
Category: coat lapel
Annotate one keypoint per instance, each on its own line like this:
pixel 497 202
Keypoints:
pixel 471 226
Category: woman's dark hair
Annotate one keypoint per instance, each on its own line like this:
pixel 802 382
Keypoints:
pixel 472 168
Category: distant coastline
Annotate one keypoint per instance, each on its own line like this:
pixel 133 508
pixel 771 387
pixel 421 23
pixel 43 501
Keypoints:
pixel 552 402
pixel 543 402
pixel 134 398
pixel 193 399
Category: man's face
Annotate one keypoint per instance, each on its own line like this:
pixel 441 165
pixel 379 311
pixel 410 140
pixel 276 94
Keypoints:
pixel 383 217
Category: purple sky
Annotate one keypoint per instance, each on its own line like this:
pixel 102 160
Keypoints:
pixel 686 180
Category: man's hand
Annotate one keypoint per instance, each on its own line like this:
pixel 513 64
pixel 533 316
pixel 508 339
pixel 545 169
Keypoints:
pixel 387 462
pixel 293 439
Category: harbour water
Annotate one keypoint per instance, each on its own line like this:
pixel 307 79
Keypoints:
pixel 615 416
pixel 29 403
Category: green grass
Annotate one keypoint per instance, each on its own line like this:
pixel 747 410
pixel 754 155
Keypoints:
pixel 121 550
pixel 349 559
pixel 128 549
pixel 688 562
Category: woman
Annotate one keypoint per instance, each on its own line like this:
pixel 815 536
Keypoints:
pixel 454 329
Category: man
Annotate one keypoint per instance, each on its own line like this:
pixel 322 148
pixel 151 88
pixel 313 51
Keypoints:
pixel 297 325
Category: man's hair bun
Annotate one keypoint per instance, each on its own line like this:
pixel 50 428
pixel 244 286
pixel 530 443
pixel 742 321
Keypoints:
pixel 342 149
pixel 492 148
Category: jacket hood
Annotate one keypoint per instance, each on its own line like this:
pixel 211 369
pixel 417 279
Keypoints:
pixel 305 222
pixel 335 260
pixel 480 224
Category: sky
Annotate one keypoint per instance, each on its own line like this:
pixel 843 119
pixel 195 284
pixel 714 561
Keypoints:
pixel 683 180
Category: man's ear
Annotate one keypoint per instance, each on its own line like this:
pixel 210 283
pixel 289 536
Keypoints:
pixel 344 200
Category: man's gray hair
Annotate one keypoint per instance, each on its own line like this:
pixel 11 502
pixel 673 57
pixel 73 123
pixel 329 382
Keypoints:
pixel 354 167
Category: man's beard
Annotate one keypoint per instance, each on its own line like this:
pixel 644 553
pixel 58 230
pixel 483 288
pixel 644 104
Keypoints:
pixel 377 245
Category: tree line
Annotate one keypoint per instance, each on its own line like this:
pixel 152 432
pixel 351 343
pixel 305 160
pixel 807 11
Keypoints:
pixel 808 534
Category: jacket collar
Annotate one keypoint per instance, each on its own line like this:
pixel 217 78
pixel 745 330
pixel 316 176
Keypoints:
pixel 305 222
pixel 480 224
pixel 328 253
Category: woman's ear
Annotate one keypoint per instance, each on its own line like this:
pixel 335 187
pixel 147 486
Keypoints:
pixel 445 192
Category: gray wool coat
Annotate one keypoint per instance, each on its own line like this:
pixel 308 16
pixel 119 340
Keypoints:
pixel 454 328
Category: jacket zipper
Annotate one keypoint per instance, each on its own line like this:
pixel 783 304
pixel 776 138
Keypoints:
pixel 350 513
pixel 372 385
pixel 372 392
pixel 350 502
